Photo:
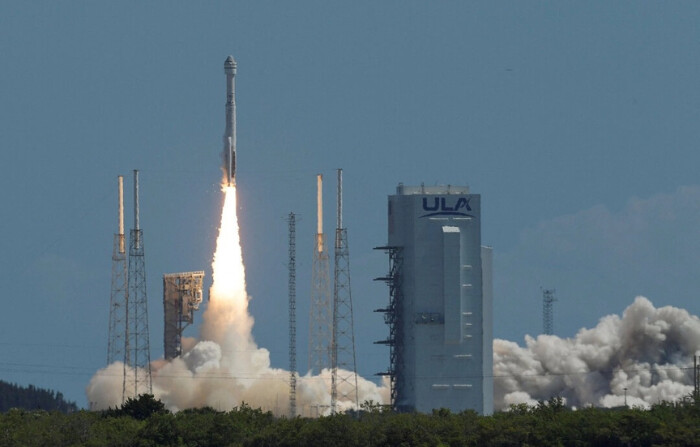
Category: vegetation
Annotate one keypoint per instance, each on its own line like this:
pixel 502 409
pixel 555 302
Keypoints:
pixel 145 422
pixel 32 398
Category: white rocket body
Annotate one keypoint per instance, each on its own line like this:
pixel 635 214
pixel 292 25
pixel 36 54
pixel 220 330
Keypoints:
pixel 229 153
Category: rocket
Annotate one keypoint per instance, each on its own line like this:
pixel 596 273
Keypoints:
pixel 229 153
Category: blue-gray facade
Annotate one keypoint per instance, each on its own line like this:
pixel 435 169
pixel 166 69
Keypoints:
pixel 445 324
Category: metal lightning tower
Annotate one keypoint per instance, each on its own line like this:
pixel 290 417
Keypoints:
pixel 548 300
pixel 696 379
pixel 119 292
pixel 344 366
pixel 138 352
pixel 292 317
pixel 320 313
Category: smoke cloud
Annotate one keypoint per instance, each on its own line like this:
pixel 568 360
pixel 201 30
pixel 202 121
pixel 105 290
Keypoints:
pixel 648 351
pixel 226 367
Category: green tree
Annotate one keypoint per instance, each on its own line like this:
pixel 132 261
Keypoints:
pixel 141 408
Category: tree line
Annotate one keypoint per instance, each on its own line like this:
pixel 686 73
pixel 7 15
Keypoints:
pixel 146 422
pixel 33 398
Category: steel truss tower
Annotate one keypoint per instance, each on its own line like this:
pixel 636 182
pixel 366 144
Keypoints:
pixel 548 300
pixel 292 317
pixel 320 332
pixel 182 295
pixel 394 319
pixel 696 379
pixel 119 290
pixel 137 365
pixel 344 366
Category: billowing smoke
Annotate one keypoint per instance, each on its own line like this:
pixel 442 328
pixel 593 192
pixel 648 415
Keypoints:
pixel 648 351
pixel 227 368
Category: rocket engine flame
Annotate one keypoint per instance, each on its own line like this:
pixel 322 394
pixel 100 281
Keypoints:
pixel 228 306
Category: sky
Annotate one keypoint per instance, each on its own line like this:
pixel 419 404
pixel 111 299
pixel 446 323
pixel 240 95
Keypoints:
pixel 577 122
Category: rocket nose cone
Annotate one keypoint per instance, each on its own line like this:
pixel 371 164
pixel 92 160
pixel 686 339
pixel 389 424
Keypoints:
pixel 230 64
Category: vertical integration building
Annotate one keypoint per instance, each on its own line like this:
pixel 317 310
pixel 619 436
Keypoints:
pixel 440 309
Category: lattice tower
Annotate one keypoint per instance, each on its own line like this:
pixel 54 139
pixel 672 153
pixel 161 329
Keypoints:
pixel 344 366
pixel 119 290
pixel 320 318
pixel 137 376
pixel 548 300
pixel 696 379
pixel 292 283
pixel 393 317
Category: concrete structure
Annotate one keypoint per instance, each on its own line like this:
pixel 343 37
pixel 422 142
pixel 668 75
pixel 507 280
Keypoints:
pixel 441 309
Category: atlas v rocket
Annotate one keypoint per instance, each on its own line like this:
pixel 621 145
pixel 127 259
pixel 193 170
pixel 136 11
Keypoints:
pixel 229 154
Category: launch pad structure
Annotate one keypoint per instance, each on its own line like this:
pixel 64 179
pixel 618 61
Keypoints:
pixel 182 295
pixel 128 339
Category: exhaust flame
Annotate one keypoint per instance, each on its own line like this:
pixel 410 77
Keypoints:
pixel 227 320
pixel 226 367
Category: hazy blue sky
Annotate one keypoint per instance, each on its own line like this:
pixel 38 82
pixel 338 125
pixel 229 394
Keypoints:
pixel 578 122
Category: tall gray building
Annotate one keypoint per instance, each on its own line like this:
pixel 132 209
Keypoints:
pixel 440 314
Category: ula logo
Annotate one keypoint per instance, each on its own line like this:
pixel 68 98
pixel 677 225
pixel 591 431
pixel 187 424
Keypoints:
pixel 437 206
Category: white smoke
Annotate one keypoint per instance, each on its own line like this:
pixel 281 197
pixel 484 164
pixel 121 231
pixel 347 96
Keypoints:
pixel 649 351
pixel 227 368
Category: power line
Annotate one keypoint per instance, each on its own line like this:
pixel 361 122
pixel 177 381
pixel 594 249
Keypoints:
pixel 81 371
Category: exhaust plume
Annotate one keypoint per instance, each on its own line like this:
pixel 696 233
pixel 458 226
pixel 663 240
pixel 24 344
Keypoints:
pixel 648 351
pixel 226 367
